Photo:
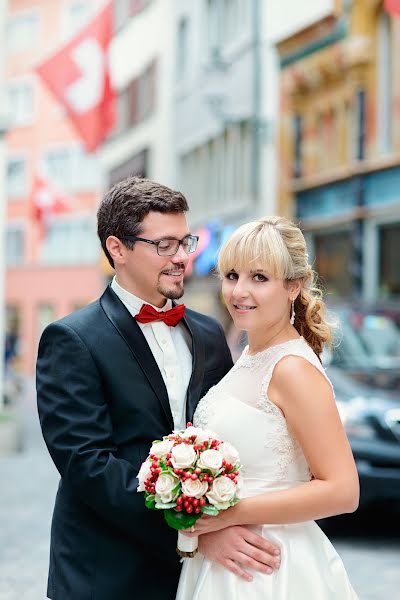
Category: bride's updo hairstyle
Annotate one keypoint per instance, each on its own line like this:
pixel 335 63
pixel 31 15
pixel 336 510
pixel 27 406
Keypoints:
pixel 277 246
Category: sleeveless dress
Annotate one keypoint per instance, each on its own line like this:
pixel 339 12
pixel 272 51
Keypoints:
pixel 238 410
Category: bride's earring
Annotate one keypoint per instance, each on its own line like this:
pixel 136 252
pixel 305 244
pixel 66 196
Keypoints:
pixel 292 316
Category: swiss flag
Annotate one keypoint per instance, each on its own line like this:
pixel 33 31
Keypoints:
pixel 392 7
pixel 46 200
pixel 79 76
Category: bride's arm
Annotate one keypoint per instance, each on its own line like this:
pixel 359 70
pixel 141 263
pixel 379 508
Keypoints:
pixel 306 399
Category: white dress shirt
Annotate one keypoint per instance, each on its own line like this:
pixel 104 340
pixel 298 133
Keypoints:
pixel 171 348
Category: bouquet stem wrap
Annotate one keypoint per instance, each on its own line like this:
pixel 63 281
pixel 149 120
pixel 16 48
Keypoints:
pixel 187 546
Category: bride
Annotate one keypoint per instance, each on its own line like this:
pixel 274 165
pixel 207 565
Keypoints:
pixel 277 407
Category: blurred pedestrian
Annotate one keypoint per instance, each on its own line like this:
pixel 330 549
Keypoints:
pixel 111 378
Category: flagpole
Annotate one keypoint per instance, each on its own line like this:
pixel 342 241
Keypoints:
pixel 3 130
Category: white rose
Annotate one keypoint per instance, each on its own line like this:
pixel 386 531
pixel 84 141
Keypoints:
pixel 201 434
pixel 211 460
pixel 194 488
pixel 144 473
pixel 183 456
pixel 161 448
pixel 229 452
pixel 164 488
pixel 222 492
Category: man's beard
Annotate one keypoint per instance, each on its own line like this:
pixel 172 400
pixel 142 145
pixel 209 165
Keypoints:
pixel 173 293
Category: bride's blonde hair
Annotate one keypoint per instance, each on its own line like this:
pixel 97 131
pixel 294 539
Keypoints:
pixel 277 246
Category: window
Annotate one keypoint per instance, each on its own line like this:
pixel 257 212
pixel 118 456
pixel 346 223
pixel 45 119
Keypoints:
pixel 136 102
pixel 333 257
pixel 213 30
pixel 16 177
pixel 146 93
pixel 297 142
pixel 389 252
pixel 385 89
pixel 217 175
pixel 125 9
pixel 182 49
pixel 72 169
pixel 14 246
pixel 22 32
pixel 45 316
pixel 77 16
pixel 20 101
pixel 71 242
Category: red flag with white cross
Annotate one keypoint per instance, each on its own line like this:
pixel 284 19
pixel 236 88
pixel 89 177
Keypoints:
pixel 47 201
pixel 392 7
pixel 79 77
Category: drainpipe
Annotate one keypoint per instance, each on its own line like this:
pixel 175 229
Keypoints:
pixel 3 130
pixel 257 125
pixel 357 233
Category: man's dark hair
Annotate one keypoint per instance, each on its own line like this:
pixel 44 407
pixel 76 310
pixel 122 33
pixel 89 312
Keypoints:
pixel 128 202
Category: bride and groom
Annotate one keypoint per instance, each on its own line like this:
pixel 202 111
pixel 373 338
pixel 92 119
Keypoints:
pixel 132 366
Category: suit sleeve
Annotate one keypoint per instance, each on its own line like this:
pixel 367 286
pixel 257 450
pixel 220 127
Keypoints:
pixel 77 429
pixel 227 355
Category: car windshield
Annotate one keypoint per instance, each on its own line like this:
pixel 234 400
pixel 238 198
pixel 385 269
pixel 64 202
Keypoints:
pixel 368 339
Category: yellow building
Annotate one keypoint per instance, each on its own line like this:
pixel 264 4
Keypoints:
pixel 340 145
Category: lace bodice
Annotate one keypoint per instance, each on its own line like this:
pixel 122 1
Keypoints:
pixel 239 411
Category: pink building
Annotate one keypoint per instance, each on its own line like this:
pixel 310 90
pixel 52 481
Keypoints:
pixel 48 274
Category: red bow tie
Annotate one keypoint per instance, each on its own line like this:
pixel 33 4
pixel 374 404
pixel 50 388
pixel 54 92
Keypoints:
pixel 171 317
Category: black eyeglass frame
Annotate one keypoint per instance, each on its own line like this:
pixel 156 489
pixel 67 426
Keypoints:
pixel 135 238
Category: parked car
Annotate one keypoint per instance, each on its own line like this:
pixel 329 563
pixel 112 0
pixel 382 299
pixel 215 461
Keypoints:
pixel 371 419
pixel 364 367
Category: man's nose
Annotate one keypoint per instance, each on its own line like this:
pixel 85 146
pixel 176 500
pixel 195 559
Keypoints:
pixel 181 256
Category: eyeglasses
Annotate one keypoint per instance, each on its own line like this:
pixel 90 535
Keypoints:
pixel 168 247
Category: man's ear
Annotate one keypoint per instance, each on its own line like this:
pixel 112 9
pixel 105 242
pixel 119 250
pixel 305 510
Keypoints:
pixel 116 249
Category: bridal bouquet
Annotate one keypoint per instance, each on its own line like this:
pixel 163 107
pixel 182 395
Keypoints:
pixel 187 474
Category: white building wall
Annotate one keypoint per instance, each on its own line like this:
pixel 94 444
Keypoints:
pixel 209 99
pixel 146 37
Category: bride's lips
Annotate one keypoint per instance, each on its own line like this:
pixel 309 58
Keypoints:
pixel 243 309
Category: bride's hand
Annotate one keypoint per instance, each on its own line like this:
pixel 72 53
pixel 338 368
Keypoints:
pixel 207 523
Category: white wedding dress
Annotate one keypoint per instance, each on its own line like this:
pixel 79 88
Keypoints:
pixel 239 411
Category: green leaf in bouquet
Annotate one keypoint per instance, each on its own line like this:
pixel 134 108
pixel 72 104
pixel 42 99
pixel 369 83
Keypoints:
pixel 210 510
pixel 180 520
pixel 150 501
pixel 165 506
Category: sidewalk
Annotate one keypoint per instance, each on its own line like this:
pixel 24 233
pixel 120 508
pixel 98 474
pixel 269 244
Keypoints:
pixel 28 485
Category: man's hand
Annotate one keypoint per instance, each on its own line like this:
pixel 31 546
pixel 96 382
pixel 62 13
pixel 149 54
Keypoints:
pixel 237 548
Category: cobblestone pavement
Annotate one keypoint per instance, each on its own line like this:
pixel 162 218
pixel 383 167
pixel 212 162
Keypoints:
pixel 370 551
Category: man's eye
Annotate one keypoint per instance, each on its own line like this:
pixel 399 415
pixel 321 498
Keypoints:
pixel 164 244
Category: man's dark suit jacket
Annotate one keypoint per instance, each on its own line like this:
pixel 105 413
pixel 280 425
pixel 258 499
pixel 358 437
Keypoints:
pixel 102 401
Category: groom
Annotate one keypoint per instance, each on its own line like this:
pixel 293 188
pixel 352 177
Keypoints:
pixel 113 377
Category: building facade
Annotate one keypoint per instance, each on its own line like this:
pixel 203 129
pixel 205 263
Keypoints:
pixel 142 72
pixel 226 110
pixel 340 146
pixel 52 268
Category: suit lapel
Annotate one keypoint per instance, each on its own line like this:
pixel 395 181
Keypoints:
pixel 130 331
pixel 196 380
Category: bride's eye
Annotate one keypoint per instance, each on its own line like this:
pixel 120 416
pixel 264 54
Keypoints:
pixel 231 276
pixel 259 277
